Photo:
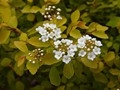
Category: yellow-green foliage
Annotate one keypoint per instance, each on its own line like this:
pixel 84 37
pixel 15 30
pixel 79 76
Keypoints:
pixel 19 40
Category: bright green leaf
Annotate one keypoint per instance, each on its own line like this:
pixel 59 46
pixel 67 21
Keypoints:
pixel 6 62
pixel 100 34
pixel 5 11
pixel 4 35
pixel 54 76
pixel 48 59
pixel 36 42
pixel 75 16
pixel 96 27
pixel 63 28
pixel 34 9
pixel 61 22
pixel 23 37
pixel 101 28
pixel 26 9
pixel 13 22
pixel 75 34
pixel 82 25
pixel 109 56
pixel 33 67
pixel 21 46
pixel 68 70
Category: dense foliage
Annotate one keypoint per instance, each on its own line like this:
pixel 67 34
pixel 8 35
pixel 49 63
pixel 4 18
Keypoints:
pixel 34 49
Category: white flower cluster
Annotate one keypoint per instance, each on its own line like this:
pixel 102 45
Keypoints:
pixel 52 12
pixel 49 31
pixel 88 46
pixel 35 55
pixel 65 50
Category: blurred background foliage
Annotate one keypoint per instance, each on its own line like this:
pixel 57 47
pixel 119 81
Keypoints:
pixel 18 20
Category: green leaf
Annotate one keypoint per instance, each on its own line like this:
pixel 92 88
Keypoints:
pixel 61 87
pixel 19 85
pixel 19 70
pixel 75 16
pixel 99 69
pixel 29 9
pixel 114 71
pixel 100 34
pixel 5 11
pixel 6 62
pixel 101 78
pixel 101 28
pixel 33 67
pixel 20 61
pixel 32 30
pixel 4 35
pixel 61 22
pixel 68 70
pixel 63 28
pixel 48 59
pixel 36 42
pixel 96 27
pixel 13 22
pixel 113 21
pixel 82 25
pixel 21 46
pixel 54 76
pixel 111 84
pixel 10 78
pixel 23 37
pixel 35 9
pixel 26 9
pixel 88 63
pixel 30 17
pixel 75 34
pixel 109 56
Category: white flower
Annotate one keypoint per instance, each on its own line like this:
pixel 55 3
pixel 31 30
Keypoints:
pixel 73 47
pixel 44 38
pixel 51 35
pixel 56 43
pixel 43 32
pixel 52 26
pixel 81 40
pixel 71 53
pixel 82 53
pixel 46 25
pixel 58 9
pixel 91 56
pixel 68 42
pixel 66 59
pixel 98 43
pixel 87 37
pixel 59 17
pixel 81 45
pixel 58 54
pixel 96 50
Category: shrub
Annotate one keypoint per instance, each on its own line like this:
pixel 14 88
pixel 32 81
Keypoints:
pixel 59 44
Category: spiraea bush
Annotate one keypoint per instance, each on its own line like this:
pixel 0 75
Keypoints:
pixel 59 45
